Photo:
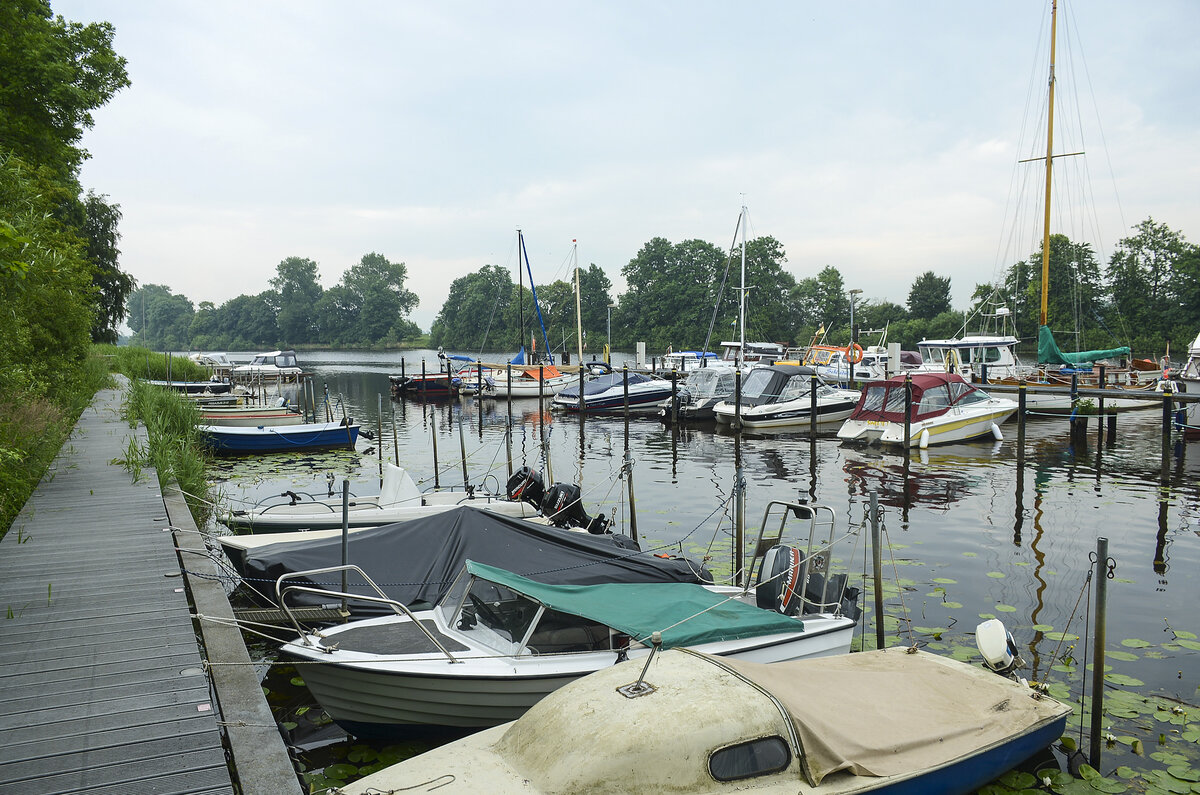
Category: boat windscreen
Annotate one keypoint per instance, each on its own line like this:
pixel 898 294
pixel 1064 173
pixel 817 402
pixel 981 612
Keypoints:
pixel 758 384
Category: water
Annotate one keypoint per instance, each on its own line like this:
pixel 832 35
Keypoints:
pixel 968 534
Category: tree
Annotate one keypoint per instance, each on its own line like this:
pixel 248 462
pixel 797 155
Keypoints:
pixel 55 73
pixel 376 297
pixel 113 286
pixel 299 292
pixel 822 301
pixel 1141 280
pixel 160 320
pixel 672 291
pixel 473 316
pixel 929 296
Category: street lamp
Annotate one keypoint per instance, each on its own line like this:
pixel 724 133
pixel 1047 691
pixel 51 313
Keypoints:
pixel 608 347
pixel 853 337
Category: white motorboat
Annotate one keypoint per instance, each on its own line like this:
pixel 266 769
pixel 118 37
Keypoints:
pixel 893 720
pixel 688 361
pixel 527 381
pixel 832 362
pixel 781 395
pixel 399 499
pixel 700 393
pixel 1189 382
pixel 273 366
pixel 944 408
pixel 252 416
pixel 497 643
pixel 608 393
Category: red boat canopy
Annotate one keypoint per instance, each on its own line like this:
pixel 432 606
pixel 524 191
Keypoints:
pixel 933 394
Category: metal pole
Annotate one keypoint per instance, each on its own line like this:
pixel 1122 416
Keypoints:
pixel 1022 398
pixel 437 482
pixel 508 389
pixel 812 406
pixel 877 568
pixel 633 533
pixel 462 449
pixel 1096 743
pixel 581 390
pixel 424 380
pixel 395 441
pixel 345 536
pixel 907 412
pixel 1167 411
pixel 737 399
pixel 625 401
pixel 739 522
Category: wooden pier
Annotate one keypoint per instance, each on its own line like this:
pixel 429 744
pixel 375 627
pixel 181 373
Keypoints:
pixel 103 687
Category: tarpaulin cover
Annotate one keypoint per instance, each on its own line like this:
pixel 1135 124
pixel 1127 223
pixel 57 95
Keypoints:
pixel 415 561
pixel 1048 352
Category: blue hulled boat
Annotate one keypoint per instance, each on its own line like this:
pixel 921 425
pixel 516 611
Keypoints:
pixel 607 393
pixel 228 440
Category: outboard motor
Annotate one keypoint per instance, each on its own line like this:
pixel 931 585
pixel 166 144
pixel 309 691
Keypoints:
pixel 996 645
pixel 778 585
pixel 526 484
pixel 563 506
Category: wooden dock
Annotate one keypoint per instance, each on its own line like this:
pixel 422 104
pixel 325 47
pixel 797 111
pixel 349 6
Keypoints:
pixel 102 684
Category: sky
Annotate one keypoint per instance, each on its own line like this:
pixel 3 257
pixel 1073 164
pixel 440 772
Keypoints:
pixel 882 138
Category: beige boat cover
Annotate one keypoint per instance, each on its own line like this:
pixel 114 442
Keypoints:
pixel 889 712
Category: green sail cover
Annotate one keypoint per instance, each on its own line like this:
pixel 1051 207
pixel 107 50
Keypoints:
pixel 686 614
pixel 1048 352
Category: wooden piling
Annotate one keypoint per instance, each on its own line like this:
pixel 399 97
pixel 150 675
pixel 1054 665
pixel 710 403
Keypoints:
pixel 812 405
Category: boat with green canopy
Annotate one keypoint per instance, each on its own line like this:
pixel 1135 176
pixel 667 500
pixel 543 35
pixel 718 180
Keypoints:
pixel 499 642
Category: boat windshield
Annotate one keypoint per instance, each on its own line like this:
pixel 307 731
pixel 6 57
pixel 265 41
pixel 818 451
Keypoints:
pixel 488 613
pixel 796 387
pixel 710 382
pixel 758 384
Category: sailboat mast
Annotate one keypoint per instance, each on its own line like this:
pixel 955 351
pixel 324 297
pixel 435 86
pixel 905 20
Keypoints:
pixel 742 303
pixel 578 315
pixel 1049 169
pixel 520 291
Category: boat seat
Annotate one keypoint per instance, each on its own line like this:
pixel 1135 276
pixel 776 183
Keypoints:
pixel 398 487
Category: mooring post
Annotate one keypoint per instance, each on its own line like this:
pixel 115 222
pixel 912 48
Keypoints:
pixel 437 483
pixel 739 525
pixel 462 450
pixel 674 396
pixel 395 439
pixel 479 378
pixel 1167 411
pixel 983 373
pixel 1074 388
pixel 737 399
pixel 1098 652
pixel 633 533
pixel 424 380
pixel 345 537
pixel 812 406
pixel 907 413
pixel 877 567
pixel 1022 399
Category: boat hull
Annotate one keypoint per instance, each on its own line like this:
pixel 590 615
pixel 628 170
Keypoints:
pixel 941 430
pixel 787 415
pixel 232 440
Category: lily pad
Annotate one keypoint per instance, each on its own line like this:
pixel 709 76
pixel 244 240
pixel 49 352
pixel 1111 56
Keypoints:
pixel 997 575
pixel 1135 643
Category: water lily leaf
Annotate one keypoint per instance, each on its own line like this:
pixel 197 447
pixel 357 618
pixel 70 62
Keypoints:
pixel 1125 772
pixel 297 681
pixel 1121 655
pixel 952 605
pixel 1179 633
pixel 948 581
pixel 1102 784
pixel 1061 636
pixel 1189 644
pixel 341 770
pixel 970 554
pixel 1043 627
pixel 1055 775
pixel 997 575
pixel 1184 772
pixel 1135 643
pixel 1006 608
pixel 986 616
pixel 1017 779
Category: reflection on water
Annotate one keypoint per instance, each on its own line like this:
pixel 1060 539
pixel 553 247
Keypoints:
pixel 970 533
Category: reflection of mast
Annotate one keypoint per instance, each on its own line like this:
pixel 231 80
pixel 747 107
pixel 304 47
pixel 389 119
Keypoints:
pixel 1040 558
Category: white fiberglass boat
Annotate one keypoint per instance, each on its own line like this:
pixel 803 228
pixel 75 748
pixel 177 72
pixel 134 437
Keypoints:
pixel 781 395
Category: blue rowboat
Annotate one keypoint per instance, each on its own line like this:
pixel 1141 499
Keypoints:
pixel 230 440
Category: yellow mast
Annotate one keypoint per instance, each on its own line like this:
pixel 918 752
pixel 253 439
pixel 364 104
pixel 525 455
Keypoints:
pixel 578 314
pixel 1049 169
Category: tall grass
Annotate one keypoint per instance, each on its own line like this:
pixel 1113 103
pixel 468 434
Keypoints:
pixel 174 447
pixel 142 363
pixel 34 425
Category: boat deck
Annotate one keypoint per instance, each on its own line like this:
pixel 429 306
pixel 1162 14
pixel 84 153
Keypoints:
pixel 102 688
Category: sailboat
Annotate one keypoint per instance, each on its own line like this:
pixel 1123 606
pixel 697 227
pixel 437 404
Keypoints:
pixel 532 377
pixel 991 358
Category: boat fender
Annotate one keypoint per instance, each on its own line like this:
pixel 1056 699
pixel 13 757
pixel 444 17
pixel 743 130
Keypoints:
pixel 779 580
pixel 924 439
pixel 999 437
pixel 996 645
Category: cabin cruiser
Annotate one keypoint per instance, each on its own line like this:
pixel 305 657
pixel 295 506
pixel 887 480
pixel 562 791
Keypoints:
pixel 607 393
pixel 273 366
pixel 781 395
pixel 688 361
pixel 944 408
pixel 699 395
pixel 1189 382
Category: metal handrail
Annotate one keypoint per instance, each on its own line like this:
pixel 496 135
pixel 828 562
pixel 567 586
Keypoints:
pixel 800 510
pixel 398 608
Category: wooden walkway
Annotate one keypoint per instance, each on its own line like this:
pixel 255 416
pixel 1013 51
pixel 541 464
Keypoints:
pixel 101 682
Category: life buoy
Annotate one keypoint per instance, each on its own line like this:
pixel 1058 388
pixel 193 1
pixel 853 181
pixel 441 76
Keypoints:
pixel 854 353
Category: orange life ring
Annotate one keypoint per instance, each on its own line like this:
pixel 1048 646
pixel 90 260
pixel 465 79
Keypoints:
pixel 854 353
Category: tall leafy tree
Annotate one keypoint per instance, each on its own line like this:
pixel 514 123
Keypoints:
pixel 672 291
pixel 821 300
pixel 1075 296
pixel 376 301
pixel 296 282
pixel 473 318
pixel 113 285
pixel 929 296
pixel 160 319
pixel 1141 278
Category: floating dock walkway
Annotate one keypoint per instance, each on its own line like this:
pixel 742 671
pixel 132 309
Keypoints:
pixel 103 687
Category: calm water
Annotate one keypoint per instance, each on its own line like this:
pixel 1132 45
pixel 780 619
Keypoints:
pixel 968 534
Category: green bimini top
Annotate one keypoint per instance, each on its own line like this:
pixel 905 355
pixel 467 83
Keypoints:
pixel 1048 352
pixel 685 613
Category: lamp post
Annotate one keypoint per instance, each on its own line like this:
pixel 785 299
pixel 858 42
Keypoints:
pixel 853 337
pixel 608 347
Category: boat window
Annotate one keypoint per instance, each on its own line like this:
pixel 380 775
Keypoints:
pixel 934 400
pixel 561 632
pixel 756 383
pixel 746 760
pixel 933 355
pixel 895 400
pixel 873 401
pixel 490 613
pixel 796 387
pixel 958 390
pixel 285 361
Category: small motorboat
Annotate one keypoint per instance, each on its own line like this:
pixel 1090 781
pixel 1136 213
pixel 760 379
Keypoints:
pixel 280 413
pixel 699 395
pixel 304 437
pixel 399 500
pixel 527 381
pixel 688 362
pixel 1189 382
pixel 272 366
pixel 607 393
pixel 781 395
pixel 944 408
pixel 497 643
pixel 888 721
pixel 832 362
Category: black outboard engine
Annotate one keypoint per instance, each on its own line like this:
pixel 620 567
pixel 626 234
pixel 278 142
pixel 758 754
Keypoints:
pixel 777 586
pixel 563 506
pixel 526 484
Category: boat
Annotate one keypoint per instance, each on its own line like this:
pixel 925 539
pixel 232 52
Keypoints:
pixel 194 389
pixel 781 395
pixel 944 408
pixel 497 643
pixel 832 362
pixel 894 720
pixel 443 382
pixel 688 362
pixel 399 499
pixel 608 393
pixel 219 365
pixel 304 437
pixel 699 395
pixel 415 561
pixel 527 381
pixel 280 413
pixel 272 366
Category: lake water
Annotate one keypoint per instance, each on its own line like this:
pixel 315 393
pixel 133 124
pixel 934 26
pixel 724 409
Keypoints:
pixel 968 534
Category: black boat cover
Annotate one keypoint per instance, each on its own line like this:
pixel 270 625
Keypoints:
pixel 415 562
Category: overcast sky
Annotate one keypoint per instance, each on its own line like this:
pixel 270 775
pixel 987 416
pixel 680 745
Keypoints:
pixel 878 137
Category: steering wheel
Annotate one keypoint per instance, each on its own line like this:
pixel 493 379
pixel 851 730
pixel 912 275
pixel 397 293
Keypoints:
pixel 482 608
